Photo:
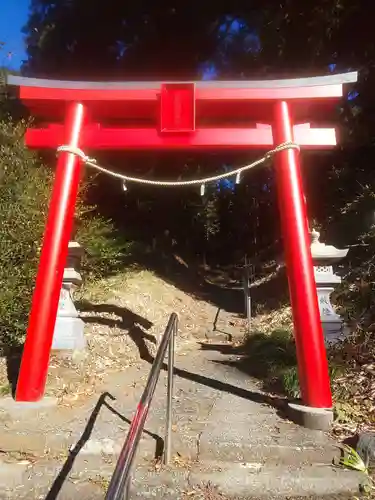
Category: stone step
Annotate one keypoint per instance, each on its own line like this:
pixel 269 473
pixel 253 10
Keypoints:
pixel 84 477
pixel 252 480
pixel 35 443
pixel 262 440
pixel 88 478
pixel 217 412
pixel 271 454
pixel 188 445
pixel 245 440
pixel 106 437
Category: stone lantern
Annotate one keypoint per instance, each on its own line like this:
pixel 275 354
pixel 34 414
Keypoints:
pixel 324 256
pixel 69 328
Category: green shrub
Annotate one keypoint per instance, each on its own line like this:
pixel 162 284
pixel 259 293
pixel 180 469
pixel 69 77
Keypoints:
pixel 105 248
pixel 290 382
pixel 267 353
pixel 25 189
pixel 272 358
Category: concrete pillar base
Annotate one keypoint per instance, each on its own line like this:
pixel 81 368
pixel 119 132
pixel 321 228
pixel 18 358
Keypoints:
pixel 10 406
pixel 312 418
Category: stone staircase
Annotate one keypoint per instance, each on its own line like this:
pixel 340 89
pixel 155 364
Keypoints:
pixel 230 441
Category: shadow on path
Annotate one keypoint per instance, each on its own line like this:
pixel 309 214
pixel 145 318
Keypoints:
pixel 13 362
pixel 280 404
pixel 269 358
pixel 68 465
pixel 133 323
pixel 258 397
pixel 190 279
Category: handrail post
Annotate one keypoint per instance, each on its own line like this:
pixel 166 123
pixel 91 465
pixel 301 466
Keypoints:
pixel 127 488
pixel 168 427
pixel 120 484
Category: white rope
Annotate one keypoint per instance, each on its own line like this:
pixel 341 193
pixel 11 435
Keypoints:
pixel 91 162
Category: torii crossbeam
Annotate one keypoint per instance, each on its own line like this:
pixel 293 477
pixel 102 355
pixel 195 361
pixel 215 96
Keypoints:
pixel 186 116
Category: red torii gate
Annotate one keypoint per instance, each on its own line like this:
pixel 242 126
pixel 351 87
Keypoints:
pixel 180 115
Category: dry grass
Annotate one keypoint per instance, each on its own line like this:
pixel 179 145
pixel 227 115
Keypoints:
pixel 353 386
pixel 125 310
pixel 274 320
pixel 354 389
pixel 150 297
pixel 204 492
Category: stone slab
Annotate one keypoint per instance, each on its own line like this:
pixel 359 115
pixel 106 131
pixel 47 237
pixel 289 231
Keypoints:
pixel 10 405
pixel 238 479
pixel 366 447
pixel 311 418
pixel 267 453
pixel 88 478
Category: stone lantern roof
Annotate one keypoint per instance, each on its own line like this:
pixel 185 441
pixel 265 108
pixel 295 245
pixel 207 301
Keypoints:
pixel 323 254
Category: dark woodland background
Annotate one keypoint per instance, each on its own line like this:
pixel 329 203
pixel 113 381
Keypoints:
pixel 91 39
pixel 167 40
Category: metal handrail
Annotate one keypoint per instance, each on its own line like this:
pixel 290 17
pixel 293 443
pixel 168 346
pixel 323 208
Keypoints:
pixel 119 487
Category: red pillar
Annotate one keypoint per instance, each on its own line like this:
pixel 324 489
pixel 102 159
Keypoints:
pixel 35 358
pixel 312 358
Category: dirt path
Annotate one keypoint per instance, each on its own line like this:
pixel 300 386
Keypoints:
pixel 125 316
